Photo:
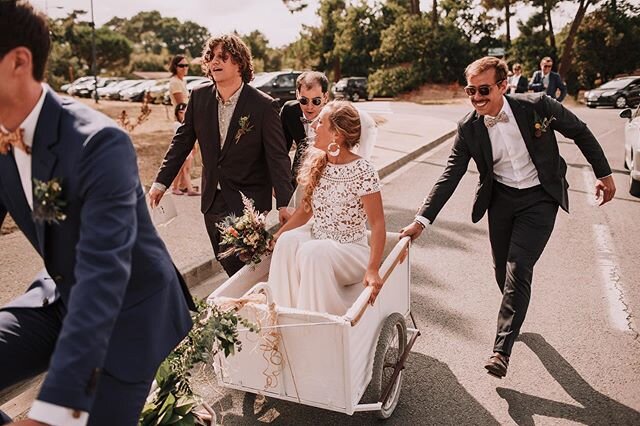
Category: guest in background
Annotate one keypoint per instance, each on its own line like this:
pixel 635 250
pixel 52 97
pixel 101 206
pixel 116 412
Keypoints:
pixel 518 83
pixel 178 92
pixel 548 81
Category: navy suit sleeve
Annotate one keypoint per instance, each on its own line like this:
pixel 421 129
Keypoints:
pixel 277 155
pixel 562 87
pixel 3 213
pixel 536 82
pixel 108 190
pixel 181 145
pixel 573 128
pixel 457 165
pixel 523 85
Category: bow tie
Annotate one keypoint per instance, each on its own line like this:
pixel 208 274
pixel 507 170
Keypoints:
pixel 491 121
pixel 305 120
pixel 15 139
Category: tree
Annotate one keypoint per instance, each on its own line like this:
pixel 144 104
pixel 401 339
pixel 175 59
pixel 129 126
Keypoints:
pixel 532 44
pixel 358 35
pixel 607 43
pixel 567 48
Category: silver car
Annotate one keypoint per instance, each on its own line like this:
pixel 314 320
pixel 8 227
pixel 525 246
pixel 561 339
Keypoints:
pixel 632 148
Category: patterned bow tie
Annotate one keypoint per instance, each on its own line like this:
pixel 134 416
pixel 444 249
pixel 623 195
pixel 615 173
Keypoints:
pixel 305 120
pixel 491 121
pixel 15 139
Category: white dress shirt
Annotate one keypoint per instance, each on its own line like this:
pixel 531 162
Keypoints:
pixel 41 411
pixel 512 165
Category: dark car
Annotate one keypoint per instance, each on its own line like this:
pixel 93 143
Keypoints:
pixel 280 85
pixel 620 93
pixel 352 88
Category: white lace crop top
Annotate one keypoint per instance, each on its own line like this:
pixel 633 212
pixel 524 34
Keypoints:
pixel 337 208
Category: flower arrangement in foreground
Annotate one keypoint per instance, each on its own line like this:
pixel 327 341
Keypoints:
pixel 245 236
pixel 173 401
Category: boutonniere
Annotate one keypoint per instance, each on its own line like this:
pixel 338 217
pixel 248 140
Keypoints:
pixel 541 125
pixel 48 203
pixel 245 127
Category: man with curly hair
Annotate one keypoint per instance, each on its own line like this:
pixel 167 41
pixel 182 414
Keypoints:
pixel 241 138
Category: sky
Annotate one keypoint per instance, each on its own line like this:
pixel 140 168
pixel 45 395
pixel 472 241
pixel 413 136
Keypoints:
pixel 271 17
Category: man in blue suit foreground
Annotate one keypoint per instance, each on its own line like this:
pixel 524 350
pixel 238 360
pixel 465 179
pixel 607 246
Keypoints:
pixel 112 305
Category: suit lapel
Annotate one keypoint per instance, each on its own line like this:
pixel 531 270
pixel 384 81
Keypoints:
pixel 211 115
pixel 43 157
pixel 233 125
pixel 297 126
pixel 17 200
pixel 482 135
pixel 525 120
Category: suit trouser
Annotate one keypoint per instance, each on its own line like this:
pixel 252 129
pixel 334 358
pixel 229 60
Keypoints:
pixel 216 214
pixel 520 224
pixel 27 340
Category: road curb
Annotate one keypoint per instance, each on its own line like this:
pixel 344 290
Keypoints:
pixel 203 271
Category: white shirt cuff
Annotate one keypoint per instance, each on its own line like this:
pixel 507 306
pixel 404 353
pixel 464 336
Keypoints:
pixel 158 186
pixel 57 415
pixel 422 220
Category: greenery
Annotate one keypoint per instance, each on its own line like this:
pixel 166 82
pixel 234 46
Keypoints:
pixel 393 42
pixel 174 401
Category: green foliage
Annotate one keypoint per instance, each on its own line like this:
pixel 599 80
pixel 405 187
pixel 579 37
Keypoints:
pixel 412 53
pixel 532 45
pixel 607 44
pixel 150 61
pixel 213 331
pixel 358 35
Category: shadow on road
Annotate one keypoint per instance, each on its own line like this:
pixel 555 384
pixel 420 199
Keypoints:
pixel 431 394
pixel 595 409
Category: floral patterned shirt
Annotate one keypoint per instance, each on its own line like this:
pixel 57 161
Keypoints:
pixel 337 207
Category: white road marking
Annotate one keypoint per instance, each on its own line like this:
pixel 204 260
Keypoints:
pixel 607 262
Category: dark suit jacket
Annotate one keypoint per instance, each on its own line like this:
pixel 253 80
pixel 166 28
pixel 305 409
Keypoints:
pixel 125 308
pixel 472 142
pixel 523 85
pixel 290 116
pixel 255 164
pixel 555 84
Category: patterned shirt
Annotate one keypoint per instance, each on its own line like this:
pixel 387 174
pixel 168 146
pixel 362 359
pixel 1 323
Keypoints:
pixel 225 113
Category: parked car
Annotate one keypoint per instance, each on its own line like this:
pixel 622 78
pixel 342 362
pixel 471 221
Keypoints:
pixel 112 91
pixel 632 148
pixel 280 85
pixel 619 93
pixel 192 81
pixel 137 92
pixel 87 89
pixel 157 92
pixel 66 87
pixel 352 88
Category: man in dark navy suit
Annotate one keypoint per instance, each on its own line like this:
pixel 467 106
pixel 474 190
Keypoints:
pixel 548 81
pixel 112 305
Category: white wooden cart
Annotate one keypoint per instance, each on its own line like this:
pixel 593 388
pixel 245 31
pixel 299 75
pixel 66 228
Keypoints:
pixel 343 363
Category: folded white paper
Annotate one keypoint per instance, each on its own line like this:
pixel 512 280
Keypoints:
pixel 164 213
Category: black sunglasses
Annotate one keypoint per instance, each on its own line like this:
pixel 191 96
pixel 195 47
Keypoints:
pixel 484 90
pixel 182 65
pixel 316 101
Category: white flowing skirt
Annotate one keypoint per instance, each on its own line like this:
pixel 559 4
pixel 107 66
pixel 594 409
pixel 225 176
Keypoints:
pixel 317 275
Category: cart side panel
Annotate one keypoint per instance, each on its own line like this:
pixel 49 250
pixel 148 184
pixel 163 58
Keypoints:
pixel 394 297
pixel 312 367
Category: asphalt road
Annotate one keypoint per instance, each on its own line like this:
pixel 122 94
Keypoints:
pixel 578 358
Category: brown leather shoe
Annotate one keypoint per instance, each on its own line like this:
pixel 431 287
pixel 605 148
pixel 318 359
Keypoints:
pixel 497 365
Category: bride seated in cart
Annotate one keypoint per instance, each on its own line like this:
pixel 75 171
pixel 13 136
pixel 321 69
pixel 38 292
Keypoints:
pixel 317 266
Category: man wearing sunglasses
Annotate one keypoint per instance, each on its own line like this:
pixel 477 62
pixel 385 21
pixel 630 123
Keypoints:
pixel 547 81
pixel 522 183
pixel 312 94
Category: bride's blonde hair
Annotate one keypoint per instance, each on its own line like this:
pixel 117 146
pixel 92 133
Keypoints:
pixel 343 119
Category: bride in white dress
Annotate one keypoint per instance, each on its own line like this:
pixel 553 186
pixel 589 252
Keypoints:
pixel 316 266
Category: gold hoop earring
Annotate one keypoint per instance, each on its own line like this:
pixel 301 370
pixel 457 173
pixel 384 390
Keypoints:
pixel 333 152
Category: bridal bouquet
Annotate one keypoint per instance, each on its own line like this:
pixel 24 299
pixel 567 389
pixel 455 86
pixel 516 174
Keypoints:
pixel 245 236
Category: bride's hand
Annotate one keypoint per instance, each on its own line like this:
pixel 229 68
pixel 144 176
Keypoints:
pixel 372 278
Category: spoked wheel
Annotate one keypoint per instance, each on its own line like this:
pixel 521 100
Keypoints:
pixel 392 342
pixel 621 102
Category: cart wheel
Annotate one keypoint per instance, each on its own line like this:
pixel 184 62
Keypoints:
pixel 392 341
